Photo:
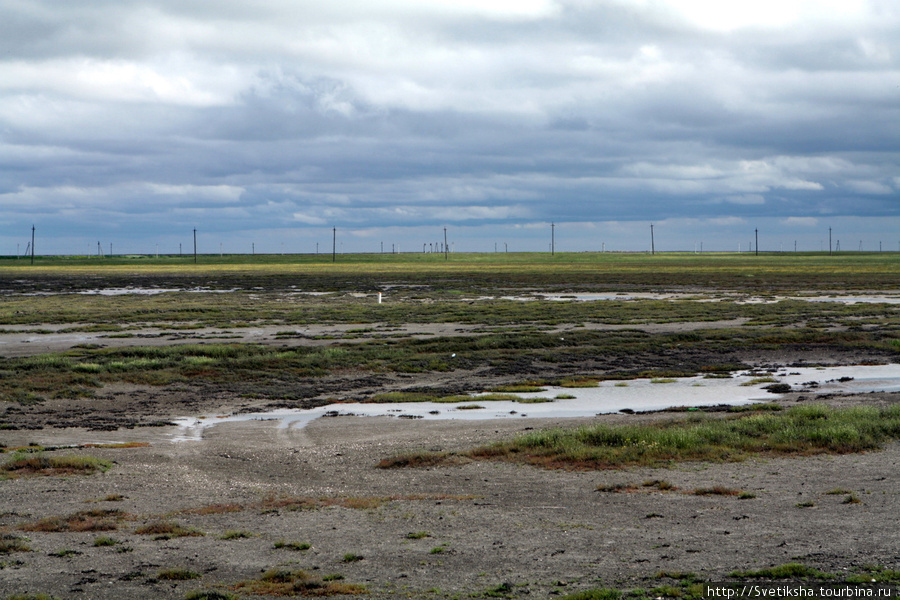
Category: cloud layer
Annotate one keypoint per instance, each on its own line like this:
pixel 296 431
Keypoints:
pixel 272 122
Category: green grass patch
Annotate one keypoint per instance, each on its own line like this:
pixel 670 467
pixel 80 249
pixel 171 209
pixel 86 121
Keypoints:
pixel 283 582
pixel 10 543
pixel 785 571
pixel 177 574
pixel 104 540
pixel 800 430
pixel 518 388
pixel 295 546
pixel 236 535
pixel 209 595
pixel 26 464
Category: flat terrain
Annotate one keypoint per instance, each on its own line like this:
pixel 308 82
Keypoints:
pixel 104 375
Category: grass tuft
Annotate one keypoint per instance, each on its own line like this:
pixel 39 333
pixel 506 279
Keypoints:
pixel 24 464
pixel 296 546
pixel 83 521
pixel 785 571
pixel 10 543
pixel 209 595
pixel 281 582
pixel 165 530
pixel 177 574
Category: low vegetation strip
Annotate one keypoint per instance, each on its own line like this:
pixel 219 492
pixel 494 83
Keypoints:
pixel 801 430
pixel 22 464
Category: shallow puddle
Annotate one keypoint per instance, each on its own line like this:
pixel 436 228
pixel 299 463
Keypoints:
pixel 608 397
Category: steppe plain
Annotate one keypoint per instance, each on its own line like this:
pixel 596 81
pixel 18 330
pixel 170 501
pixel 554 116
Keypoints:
pixel 92 372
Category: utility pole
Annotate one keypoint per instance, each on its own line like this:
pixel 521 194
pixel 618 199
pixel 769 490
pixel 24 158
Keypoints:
pixel 333 244
pixel 446 248
pixel 32 244
pixel 552 238
pixel 195 245
pixel 756 232
pixel 829 241
pixel 652 241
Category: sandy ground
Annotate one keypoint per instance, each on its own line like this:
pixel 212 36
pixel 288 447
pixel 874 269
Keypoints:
pixel 488 524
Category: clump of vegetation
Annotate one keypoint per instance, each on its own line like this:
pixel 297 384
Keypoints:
pixel 209 595
pixel 718 490
pixel 236 535
pixel 27 464
pixel 800 430
pixel 83 521
pixel 296 546
pixel 417 535
pixel 785 571
pixel 165 530
pixel 281 582
pixel 756 407
pixel 10 543
pixel 519 388
pixel 579 383
pixel 104 540
pixel 351 557
pixel 617 487
pixel 177 574
pixel 660 484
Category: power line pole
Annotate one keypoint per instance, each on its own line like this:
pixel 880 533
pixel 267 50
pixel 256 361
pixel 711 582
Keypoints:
pixel 829 241
pixel 756 231
pixel 652 241
pixel 446 248
pixel 195 245
pixel 333 244
pixel 552 239
pixel 32 244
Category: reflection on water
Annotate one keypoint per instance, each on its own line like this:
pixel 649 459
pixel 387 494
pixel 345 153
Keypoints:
pixel 609 397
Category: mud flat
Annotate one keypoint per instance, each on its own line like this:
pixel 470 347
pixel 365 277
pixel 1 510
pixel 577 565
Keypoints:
pixel 250 504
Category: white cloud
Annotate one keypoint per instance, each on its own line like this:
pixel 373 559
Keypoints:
pixel 869 187
pixel 178 80
pixel 728 16
pixel 745 199
pixel 801 222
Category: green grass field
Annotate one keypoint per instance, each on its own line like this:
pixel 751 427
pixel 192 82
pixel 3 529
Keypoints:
pixel 782 270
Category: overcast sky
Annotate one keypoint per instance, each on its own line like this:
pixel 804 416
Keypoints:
pixel 270 122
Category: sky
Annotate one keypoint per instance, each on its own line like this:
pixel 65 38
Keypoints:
pixel 281 125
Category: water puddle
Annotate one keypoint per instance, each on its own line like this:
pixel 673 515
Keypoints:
pixel 609 397
pixel 737 298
